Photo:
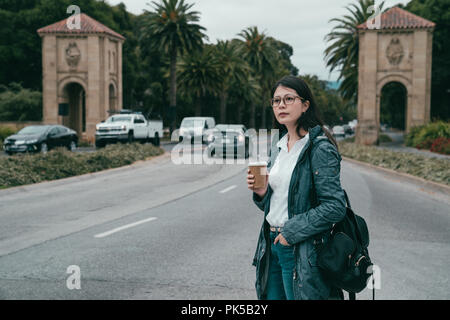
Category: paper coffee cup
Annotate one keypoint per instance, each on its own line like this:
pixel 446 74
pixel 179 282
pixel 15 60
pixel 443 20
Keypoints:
pixel 259 170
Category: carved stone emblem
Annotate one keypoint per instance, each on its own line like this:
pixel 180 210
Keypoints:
pixel 395 52
pixel 73 55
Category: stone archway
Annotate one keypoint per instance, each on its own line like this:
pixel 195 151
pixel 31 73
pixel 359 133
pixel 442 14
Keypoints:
pixel 398 50
pixel 75 96
pixel 393 105
pixel 402 81
pixel 79 66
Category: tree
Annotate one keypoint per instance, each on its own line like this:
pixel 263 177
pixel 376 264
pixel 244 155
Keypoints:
pixel 19 104
pixel 437 11
pixel 285 53
pixel 261 54
pixel 172 29
pixel 244 93
pixel 342 53
pixel 329 102
pixel 200 73
pixel 234 70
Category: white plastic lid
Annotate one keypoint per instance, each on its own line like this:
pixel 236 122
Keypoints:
pixel 258 163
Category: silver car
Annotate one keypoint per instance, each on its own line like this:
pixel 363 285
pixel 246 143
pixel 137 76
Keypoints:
pixel 194 129
pixel 338 132
pixel 229 139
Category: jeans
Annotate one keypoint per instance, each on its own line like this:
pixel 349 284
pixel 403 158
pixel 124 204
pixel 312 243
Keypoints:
pixel 281 267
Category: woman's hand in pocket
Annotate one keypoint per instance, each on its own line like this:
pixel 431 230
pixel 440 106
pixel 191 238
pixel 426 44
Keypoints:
pixel 281 239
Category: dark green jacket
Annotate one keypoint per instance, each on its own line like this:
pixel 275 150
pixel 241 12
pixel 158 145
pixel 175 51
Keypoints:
pixel 312 212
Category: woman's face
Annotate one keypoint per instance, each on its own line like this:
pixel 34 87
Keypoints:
pixel 288 114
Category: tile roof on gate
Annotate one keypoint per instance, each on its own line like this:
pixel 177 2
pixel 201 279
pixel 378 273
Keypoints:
pixel 397 18
pixel 87 25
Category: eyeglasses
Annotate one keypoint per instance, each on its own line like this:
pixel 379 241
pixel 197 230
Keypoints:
pixel 287 99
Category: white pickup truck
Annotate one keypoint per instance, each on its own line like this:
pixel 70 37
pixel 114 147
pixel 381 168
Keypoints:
pixel 128 127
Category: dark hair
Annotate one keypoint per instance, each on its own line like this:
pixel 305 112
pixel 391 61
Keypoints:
pixel 308 119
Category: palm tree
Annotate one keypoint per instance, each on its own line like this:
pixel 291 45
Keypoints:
pixel 200 73
pixel 234 69
pixel 172 29
pixel 343 51
pixel 261 54
pixel 244 93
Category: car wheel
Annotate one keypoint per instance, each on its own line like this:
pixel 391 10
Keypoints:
pixel 99 144
pixel 72 146
pixel 130 137
pixel 156 141
pixel 44 147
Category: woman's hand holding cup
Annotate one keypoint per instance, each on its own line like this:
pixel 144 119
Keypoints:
pixel 257 178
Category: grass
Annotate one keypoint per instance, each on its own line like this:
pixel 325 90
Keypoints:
pixel 60 163
pixel 432 169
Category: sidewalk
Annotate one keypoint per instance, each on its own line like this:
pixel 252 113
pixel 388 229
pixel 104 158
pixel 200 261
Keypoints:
pixel 398 145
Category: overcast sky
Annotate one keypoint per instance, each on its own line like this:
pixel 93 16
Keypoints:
pixel 300 23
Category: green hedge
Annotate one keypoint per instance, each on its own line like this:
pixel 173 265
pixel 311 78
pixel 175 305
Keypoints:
pixel 425 136
pixel 6 132
pixel 60 163
pixel 433 169
pixel 20 104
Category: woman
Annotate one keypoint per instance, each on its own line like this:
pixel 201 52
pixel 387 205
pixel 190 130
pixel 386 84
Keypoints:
pixel 301 200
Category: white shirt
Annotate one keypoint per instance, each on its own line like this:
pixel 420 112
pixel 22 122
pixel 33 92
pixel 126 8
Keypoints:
pixel 280 178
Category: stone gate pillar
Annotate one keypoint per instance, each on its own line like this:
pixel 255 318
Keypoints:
pixel 398 50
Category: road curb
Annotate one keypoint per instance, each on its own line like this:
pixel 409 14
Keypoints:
pixel 425 183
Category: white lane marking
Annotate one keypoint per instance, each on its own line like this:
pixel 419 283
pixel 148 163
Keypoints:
pixel 107 233
pixel 228 189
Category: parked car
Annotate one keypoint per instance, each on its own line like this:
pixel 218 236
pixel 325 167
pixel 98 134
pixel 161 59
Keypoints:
pixel 347 129
pixel 128 126
pixel 353 124
pixel 338 131
pixel 195 129
pixel 227 139
pixel 41 138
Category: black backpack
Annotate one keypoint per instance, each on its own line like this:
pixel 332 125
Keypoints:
pixel 345 260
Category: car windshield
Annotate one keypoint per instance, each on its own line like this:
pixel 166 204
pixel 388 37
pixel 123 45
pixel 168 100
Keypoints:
pixel 193 123
pixel 33 130
pixel 119 119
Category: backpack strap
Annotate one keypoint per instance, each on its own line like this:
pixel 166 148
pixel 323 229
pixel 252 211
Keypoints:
pixel 347 199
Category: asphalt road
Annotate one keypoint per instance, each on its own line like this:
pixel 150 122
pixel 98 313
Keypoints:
pixel 156 230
